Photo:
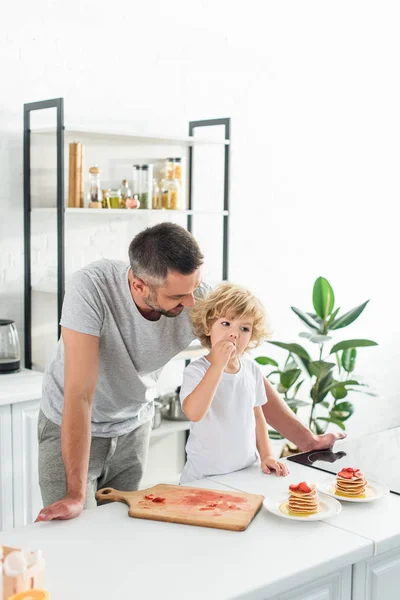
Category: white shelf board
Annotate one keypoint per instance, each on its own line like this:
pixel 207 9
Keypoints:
pixel 168 427
pixel 129 213
pixel 130 137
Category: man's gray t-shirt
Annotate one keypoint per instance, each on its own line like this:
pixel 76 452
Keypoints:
pixel 132 350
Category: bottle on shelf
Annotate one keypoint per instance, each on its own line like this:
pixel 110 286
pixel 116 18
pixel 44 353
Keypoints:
pixel 169 168
pixel 106 202
pixel 134 201
pixel 115 199
pixel 125 193
pixel 146 187
pixel 178 169
pixel 95 193
pixel 156 196
pixel 174 195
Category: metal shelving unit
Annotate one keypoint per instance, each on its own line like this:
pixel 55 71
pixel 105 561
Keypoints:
pixel 60 130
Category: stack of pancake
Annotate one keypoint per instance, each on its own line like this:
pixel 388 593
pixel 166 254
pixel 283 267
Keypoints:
pixel 350 482
pixel 303 499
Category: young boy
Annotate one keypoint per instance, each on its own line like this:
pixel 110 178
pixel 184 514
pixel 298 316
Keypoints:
pixel 222 393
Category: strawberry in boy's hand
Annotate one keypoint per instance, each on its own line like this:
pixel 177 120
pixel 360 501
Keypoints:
pixel 269 463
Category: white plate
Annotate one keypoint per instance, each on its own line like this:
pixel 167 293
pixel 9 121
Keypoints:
pixel 374 490
pixel 328 507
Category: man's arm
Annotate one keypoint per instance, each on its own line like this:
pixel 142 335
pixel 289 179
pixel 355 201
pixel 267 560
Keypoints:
pixel 279 415
pixel 81 365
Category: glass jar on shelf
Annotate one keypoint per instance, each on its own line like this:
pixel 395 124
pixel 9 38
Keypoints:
pixel 146 187
pixel 174 195
pixel 136 172
pixel 95 193
pixel 106 199
pixel 125 193
pixel 178 169
pixel 169 168
pixel 156 196
pixel 115 198
pixel 171 194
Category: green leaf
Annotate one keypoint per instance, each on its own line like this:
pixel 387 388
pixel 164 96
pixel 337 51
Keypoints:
pixel 337 422
pixel 316 318
pixel 343 411
pixel 265 360
pixel 294 349
pixel 319 368
pixel 298 386
pixel 336 384
pixel 281 388
pixel 364 392
pixel 349 317
pixel 323 298
pixel 274 435
pixel 273 373
pixel 321 388
pixel 290 364
pixel 325 404
pixel 305 334
pixel 339 392
pixel 294 403
pixel 288 378
pixel 306 318
pixel 332 318
pixel 320 339
pixel 349 359
pixel 352 344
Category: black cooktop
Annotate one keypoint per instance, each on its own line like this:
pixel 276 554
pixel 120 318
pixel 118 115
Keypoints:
pixel 377 455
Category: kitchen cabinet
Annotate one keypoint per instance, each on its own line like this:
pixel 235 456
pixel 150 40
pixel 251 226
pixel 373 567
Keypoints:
pixel 6 495
pixel 378 578
pixel 336 586
pixel 27 500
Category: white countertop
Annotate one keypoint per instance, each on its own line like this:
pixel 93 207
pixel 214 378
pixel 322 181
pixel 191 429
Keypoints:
pixel 20 387
pixel 376 521
pixel 106 554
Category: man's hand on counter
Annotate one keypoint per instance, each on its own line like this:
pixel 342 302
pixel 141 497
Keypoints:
pixel 66 508
pixel 324 441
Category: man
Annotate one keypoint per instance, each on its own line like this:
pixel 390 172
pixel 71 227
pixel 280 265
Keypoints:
pixel 120 326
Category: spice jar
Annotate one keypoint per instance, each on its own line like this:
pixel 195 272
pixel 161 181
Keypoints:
pixel 146 187
pixel 156 196
pixel 95 194
pixel 125 193
pixel 115 198
pixel 106 199
pixel 178 169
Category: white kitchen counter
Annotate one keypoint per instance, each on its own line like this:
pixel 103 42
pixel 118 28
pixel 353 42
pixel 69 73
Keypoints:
pixel 104 554
pixel 377 521
pixel 22 386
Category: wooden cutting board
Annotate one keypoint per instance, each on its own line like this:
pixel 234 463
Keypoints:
pixel 189 505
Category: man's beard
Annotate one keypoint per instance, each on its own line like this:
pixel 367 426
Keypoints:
pixel 151 303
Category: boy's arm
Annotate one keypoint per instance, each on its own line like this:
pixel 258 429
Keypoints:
pixel 268 461
pixel 197 403
pixel 262 437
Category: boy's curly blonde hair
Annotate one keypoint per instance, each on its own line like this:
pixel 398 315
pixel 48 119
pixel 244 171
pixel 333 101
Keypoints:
pixel 233 302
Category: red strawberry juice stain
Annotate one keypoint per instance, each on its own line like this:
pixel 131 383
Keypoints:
pixel 208 500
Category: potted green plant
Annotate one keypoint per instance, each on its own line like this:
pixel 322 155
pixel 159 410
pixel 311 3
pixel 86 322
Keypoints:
pixel 329 374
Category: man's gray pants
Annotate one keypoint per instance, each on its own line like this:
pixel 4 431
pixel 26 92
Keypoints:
pixel 114 462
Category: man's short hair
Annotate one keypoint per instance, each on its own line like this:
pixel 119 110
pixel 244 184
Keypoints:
pixel 165 247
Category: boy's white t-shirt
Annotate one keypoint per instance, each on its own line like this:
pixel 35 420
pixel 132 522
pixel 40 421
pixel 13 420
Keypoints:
pixel 225 439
